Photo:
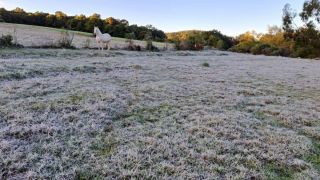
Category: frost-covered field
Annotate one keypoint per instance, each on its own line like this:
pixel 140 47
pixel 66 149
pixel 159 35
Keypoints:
pixel 37 36
pixel 68 114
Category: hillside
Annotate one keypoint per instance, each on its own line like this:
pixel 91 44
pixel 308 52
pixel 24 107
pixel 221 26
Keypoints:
pixel 36 36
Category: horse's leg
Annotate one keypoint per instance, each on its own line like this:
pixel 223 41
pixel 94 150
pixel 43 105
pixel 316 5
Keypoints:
pixel 102 44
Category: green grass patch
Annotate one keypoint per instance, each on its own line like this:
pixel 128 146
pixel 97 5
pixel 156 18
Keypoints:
pixel 259 115
pixel 314 157
pixel 86 175
pixel 277 171
pixel 39 106
pixel 12 75
pixel 76 98
pixel 105 146
pixel 85 69
pixel 147 114
pixel 205 64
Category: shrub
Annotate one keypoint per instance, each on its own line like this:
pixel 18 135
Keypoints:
pixel 260 48
pixel 188 45
pixel 205 64
pixel 184 45
pixel 134 48
pixel 149 45
pixel 87 43
pixel 6 41
pixel 221 45
pixel 243 47
pixel 197 47
pixel 66 40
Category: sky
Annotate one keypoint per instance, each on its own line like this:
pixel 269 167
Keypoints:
pixel 231 17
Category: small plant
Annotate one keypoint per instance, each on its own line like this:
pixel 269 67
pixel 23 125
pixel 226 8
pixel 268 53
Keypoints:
pixel 85 69
pixel 14 36
pixel 314 158
pixel 66 40
pixel 205 64
pixel 276 171
pixel 6 41
pixel 130 37
pixel 87 43
pixel 149 45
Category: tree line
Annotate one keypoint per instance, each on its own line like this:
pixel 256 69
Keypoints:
pixel 186 40
pixel 197 40
pixel 115 27
pixel 286 40
pixel 290 39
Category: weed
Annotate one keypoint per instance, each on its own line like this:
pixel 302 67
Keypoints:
pixel 6 41
pixel 148 114
pixel 105 146
pixel 38 106
pixel 85 69
pixel 259 115
pixel 314 158
pixel 12 75
pixel 75 99
pixel 205 64
pixel 277 171
pixel 86 175
pixel 66 40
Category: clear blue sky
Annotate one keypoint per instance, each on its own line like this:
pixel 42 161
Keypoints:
pixel 231 17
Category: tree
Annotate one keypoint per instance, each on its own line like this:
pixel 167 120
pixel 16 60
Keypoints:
pixel 50 20
pixel 111 21
pixel 247 37
pixel 311 10
pixel 61 19
pixel 221 45
pixel 307 38
pixel 287 21
pixel 115 27
pixel 19 10
pixel 275 37
pixel 93 20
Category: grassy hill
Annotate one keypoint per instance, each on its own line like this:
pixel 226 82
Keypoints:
pixel 37 36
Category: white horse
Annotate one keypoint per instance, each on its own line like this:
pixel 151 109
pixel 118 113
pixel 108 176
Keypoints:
pixel 102 38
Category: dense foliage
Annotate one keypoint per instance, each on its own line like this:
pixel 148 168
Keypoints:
pixel 290 40
pixel 196 40
pixel 272 43
pixel 8 41
pixel 115 27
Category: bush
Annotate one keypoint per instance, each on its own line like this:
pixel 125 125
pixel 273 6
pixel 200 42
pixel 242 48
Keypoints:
pixel 151 47
pixel 221 45
pixel 188 45
pixel 6 41
pixel 243 47
pixel 205 64
pixel 87 43
pixel 184 45
pixel 134 48
pixel 66 40
pixel 261 48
